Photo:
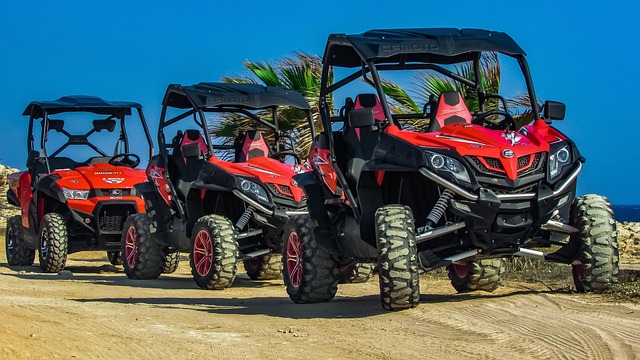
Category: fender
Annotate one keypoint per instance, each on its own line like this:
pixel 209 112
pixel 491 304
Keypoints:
pixel 157 210
pixel 315 193
pixel 12 199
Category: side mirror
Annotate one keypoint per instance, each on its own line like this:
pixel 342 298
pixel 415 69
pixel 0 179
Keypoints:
pixel 361 118
pixel 554 110
pixel 107 124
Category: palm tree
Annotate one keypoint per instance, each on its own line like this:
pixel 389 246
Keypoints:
pixel 429 85
pixel 300 72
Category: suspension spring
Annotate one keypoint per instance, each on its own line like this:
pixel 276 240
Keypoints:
pixel 244 219
pixel 439 208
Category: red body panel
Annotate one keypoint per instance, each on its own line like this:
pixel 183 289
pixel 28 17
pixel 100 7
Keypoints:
pixel 269 171
pixel 319 159
pixel 96 176
pixel 486 144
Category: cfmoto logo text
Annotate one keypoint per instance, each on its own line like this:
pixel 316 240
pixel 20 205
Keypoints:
pixel 507 153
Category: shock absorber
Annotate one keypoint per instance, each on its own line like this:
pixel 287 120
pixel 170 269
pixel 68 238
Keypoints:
pixel 439 208
pixel 244 219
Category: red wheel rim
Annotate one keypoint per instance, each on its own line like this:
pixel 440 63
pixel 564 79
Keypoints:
pixel 460 269
pixel 131 246
pixel 294 260
pixel 203 253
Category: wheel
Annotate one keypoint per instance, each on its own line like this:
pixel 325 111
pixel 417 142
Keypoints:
pixel 115 257
pixel 53 243
pixel 265 267
pixel 143 255
pixel 214 252
pixel 596 267
pixel 17 253
pixel 397 260
pixel 170 262
pixel 472 275
pixel 355 272
pixel 310 274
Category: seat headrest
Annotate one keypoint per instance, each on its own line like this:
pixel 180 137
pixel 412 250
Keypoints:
pixel 450 109
pixel 370 101
pixel 251 145
pixel 193 136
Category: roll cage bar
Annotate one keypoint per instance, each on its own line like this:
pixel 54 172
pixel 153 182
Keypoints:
pixel 226 100
pixel 115 110
pixel 413 49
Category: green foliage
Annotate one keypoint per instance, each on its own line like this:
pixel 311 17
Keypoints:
pixel 300 72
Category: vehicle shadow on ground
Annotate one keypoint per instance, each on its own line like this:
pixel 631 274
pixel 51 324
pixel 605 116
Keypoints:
pixel 282 307
pixel 101 276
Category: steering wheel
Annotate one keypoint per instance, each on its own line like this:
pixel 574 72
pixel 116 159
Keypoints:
pixel 286 153
pixel 506 118
pixel 125 159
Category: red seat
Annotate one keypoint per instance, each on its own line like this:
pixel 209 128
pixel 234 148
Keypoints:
pixel 450 109
pixel 191 137
pixel 250 145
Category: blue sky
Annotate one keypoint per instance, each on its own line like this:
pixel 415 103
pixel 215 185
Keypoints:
pixel 580 53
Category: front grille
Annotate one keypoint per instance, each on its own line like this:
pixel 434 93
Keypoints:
pixel 112 217
pixel 494 163
pixel 537 165
pixel 481 170
pixel 116 192
pixel 281 191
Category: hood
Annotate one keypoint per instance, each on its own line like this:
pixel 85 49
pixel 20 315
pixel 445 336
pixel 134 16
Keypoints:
pixel 100 176
pixel 515 150
pixel 276 175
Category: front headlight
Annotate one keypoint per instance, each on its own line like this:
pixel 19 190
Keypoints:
pixel 251 188
pixel 445 164
pixel 70 194
pixel 558 160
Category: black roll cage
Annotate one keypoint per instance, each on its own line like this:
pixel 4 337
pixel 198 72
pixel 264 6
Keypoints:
pixel 164 147
pixel 82 139
pixel 371 66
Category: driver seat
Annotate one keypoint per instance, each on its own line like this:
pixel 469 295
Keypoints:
pixel 250 145
pixel 450 109
pixel 189 160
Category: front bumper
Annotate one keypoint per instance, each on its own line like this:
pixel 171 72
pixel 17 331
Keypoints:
pixel 506 220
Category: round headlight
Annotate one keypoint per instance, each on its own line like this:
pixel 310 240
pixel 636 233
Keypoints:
pixel 245 185
pixel 563 155
pixel 437 161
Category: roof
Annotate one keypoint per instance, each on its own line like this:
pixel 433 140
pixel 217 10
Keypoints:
pixel 251 96
pixel 436 45
pixel 79 103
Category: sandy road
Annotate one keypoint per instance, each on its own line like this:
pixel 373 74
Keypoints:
pixel 100 314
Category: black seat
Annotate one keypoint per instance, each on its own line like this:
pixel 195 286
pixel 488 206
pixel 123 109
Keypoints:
pixel 189 155
pixel 361 141
pixel 250 145
pixel 449 109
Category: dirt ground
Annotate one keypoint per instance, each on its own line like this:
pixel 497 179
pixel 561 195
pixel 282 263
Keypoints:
pixel 97 313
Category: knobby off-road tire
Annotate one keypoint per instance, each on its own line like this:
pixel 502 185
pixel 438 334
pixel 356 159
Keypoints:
pixel 142 254
pixel 115 257
pixel 397 260
pixel 484 274
pixel 356 272
pixel 598 241
pixel 214 252
pixel 17 253
pixel 264 267
pixel 170 262
pixel 310 273
pixel 54 242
